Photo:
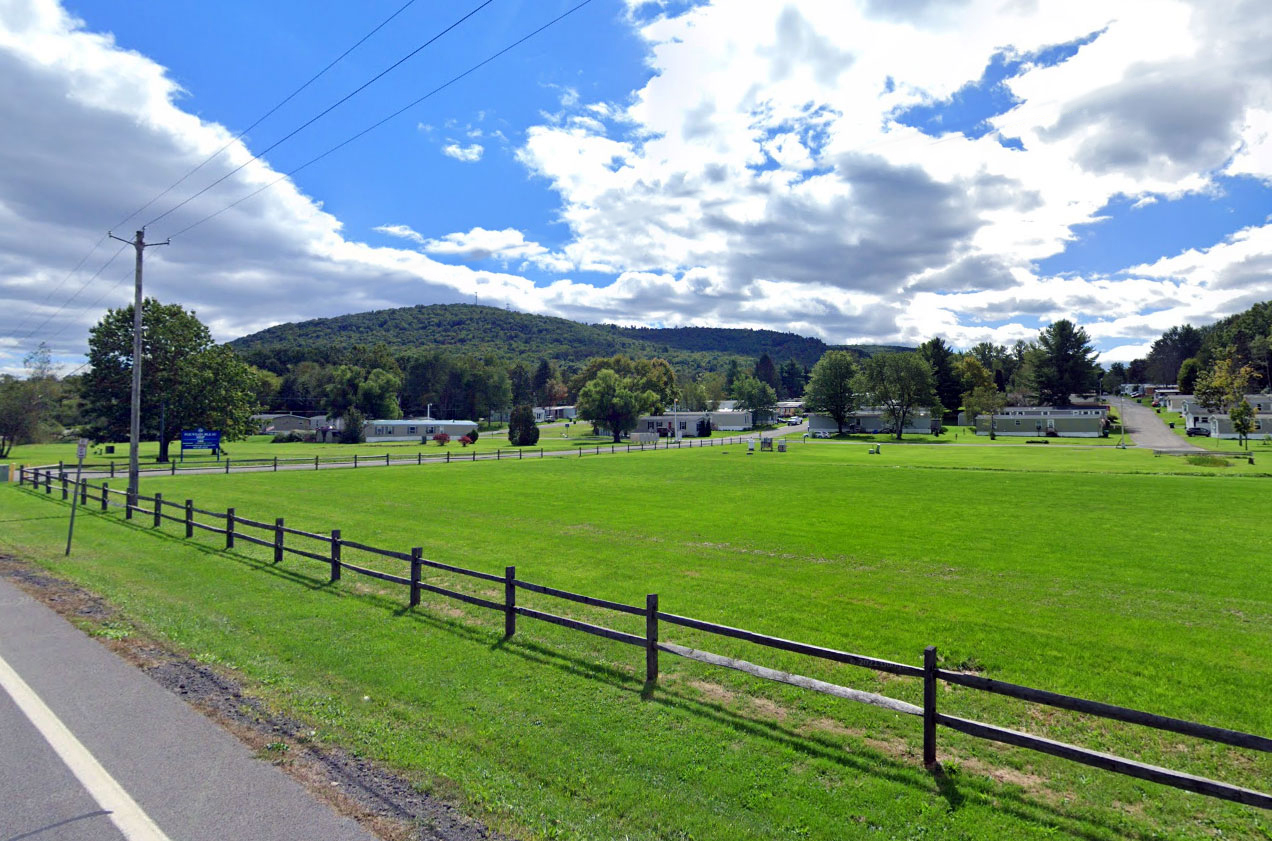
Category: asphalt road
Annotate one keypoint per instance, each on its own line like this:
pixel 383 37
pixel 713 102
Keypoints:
pixel 1149 431
pixel 92 749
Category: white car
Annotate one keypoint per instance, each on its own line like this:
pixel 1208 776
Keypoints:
pixel 794 421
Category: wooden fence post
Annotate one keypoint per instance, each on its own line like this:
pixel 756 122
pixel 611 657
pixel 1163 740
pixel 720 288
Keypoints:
pixel 448 456
pixel 189 523
pixel 106 494
pixel 173 464
pixel 21 475
pixel 335 555
pixel 65 488
pixel 510 602
pixel 112 464
pixel 315 462
pixel 278 539
pixel 275 464
pixel 651 639
pixel 229 528
pixel 48 481
pixel 386 459
pixel 129 499
pixel 929 707
pixel 416 554
pixel 227 464
pixel 83 492
pixel 419 458
pixel 355 460
pixel 158 509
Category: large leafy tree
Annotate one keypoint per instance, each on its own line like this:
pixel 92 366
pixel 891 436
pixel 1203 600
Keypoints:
pixel 187 379
pixel 901 383
pixel 984 400
pixel 614 403
pixel 940 358
pixel 1062 363
pixel 831 387
pixel 757 397
pixel 1224 384
pixel 653 375
pixel 19 418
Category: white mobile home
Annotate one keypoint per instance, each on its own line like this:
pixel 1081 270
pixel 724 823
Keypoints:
pixel 414 429
pixel 873 420
pixel 1050 421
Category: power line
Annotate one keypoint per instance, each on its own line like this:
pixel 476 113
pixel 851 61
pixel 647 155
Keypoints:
pixel 62 282
pixel 266 115
pixel 321 114
pixel 392 116
pixel 204 163
pixel 68 301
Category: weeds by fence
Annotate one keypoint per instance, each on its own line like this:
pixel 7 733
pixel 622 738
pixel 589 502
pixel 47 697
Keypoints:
pixel 228 464
pixel 276 539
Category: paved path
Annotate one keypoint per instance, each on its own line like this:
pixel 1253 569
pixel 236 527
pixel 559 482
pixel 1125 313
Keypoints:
pixel 1149 431
pixel 92 749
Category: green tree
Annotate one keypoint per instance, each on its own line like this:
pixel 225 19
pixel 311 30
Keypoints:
pixel 1261 355
pixel 984 400
pixel 766 372
pixel 940 358
pixel 757 397
pixel 653 375
pixel 377 395
pixel 521 381
pixel 1224 384
pixel 544 374
pixel 1062 363
pixel 522 431
pixel 831 387
pixel 1242 417
pixel 1188 371
pixel 901 383
pixel 19 417
pixel 187 380
pixel 794 379
pixel 614 403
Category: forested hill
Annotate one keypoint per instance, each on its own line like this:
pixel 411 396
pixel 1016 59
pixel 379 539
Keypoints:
pixel 470 328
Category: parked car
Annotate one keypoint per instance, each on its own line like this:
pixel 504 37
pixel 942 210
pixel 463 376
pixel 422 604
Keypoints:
pixel 1198 430
pixel 794 421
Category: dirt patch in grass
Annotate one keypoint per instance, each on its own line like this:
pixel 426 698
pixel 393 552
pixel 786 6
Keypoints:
pixel 384 802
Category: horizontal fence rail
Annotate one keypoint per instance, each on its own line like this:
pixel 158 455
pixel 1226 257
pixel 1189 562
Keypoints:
pixel 358 460
pixel 41 480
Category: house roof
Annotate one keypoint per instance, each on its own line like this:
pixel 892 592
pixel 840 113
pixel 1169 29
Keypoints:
pixel 421 422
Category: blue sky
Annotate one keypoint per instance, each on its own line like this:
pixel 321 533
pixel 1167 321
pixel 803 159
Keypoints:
pixel 861 171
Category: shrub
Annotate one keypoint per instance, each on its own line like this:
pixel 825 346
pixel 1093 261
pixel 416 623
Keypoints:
pixel 287 438
pixel 441 438
pixel 521 429
pixel 472 436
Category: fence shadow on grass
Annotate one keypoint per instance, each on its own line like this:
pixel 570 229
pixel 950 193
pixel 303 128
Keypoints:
pixel 860 760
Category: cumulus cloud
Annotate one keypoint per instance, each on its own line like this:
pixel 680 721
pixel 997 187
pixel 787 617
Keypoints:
pixel 468 154
pixel 758 176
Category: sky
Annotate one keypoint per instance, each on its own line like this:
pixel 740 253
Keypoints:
pixel 878 171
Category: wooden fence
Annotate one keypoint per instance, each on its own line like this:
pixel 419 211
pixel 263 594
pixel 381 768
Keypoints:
pixel 227 464
pixel 275 537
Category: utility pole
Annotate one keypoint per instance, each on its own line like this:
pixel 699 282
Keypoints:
pixel 134 427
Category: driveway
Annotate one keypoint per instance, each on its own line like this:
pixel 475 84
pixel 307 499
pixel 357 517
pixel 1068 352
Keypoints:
pixel 1149 431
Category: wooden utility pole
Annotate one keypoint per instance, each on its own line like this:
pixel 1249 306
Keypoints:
pixel 134 422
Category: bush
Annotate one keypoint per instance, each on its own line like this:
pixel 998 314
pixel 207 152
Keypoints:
pixel 472 436
pixel 521 429
pixel 287 438
pixel 442 439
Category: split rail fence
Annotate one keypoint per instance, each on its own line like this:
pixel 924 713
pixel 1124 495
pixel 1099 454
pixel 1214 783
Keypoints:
pixel 276 536
pixel 227 464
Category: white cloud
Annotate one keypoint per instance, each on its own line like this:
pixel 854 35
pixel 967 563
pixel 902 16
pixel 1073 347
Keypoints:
pixel 468 154
pixel 757 178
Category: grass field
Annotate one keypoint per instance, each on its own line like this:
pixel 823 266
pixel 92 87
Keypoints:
pixel 551 437
pixel 1108 574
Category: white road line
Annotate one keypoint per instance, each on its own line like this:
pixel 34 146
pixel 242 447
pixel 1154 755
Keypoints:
pixel 134 823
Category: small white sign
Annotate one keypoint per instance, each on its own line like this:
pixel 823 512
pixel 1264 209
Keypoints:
pixel 81 449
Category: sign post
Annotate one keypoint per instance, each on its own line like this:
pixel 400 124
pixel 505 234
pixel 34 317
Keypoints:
pixel 201 439
pixel 81 449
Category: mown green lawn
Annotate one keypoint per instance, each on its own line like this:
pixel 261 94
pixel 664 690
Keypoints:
pixel 552 437
pixel 1108 574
